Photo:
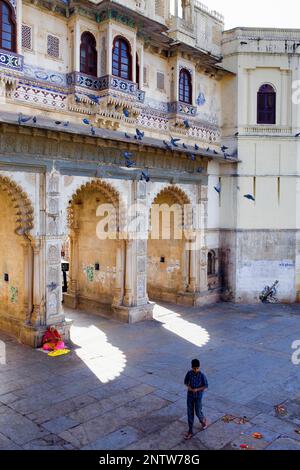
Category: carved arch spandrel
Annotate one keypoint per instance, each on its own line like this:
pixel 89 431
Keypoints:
pixel 111 194
pixel 23 209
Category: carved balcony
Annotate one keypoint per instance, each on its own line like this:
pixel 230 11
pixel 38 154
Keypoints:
pixel 11 60
pixel 110 98
pixel 180 114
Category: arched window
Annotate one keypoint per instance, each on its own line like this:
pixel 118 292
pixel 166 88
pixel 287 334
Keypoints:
pixel 7 27
pixel 185 86
pixel 88 54
pixel 266 105
pixel 137 67
pixel 121 59
pixel 211 263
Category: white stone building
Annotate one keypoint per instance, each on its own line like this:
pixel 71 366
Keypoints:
pixel 77 79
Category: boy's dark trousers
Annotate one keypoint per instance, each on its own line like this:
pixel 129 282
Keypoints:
pixel 194 406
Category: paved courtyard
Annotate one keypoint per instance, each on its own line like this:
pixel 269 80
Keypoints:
pixel 121 387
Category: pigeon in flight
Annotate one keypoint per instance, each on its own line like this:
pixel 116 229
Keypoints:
pixel 218 188
pixel 250 197
pixel 145 177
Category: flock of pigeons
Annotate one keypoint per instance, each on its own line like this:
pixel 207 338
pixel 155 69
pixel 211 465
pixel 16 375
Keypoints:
pixel 139 135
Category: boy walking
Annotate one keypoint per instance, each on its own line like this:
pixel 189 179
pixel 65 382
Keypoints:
pixel 196 383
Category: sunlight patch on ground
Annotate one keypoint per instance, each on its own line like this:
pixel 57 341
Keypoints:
pixel 101 357
pixel 174 323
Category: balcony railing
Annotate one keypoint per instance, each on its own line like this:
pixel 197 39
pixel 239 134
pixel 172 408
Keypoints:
pixel 107 82
pixel 11 60
pixel 177 107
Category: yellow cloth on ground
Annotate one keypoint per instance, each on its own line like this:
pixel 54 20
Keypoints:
pixel 59 352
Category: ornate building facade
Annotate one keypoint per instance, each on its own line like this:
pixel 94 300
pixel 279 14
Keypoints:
pixel 133 107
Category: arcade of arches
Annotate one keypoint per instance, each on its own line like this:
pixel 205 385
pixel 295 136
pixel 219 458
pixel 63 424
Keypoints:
pixel 114 277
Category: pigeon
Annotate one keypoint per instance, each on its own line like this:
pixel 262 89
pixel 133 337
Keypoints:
pixel 184 146
pixel 218 188
pixel 139 135
pixel 192 156
pixel 174 141
pixel 66 123
pixel 127 136
pixel 250 197
pixel 127 155
pixel 200 169
pixel 145 177
pixel 23 119
pixel 86 121
pixel 186 124
pixel 34 119
pixel 236 134
pixel 224 148
pixel 93 131
pixel 297 135
pixel 126 112
pixel 216 153
pixel 167 145
pixel 58 123
pixel 197 147
pixel 208 149
pixel 129 164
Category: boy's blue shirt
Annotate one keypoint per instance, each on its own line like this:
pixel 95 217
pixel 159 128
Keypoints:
pixel 193 380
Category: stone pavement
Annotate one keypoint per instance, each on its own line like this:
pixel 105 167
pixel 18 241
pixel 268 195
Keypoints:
pixel 121 387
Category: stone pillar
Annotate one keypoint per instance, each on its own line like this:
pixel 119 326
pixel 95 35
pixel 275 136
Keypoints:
pixel 71 298
pixel 119 287
pixel 135 304
pixel 129 274
pixel 192 268
pixel 28 278
pixel 53 241
pixel 203 206
pixel 37 317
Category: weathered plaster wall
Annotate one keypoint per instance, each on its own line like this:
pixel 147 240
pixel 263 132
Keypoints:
pixel 95 285
pixel 11 262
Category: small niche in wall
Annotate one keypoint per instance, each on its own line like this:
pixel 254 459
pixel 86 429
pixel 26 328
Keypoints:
pixel 162 259
pixel 97 267
pixel 6 277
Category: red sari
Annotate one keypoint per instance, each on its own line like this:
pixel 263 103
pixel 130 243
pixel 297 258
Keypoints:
pixel 52 340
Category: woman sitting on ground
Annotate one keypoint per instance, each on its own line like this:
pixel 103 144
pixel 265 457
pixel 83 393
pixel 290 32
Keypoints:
pixel 52 341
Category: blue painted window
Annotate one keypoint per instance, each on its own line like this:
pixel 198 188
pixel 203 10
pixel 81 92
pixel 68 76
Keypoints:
pixel 266 105
pixel 121 59
pixel 185 86
pixel 7 27
pixel 88 54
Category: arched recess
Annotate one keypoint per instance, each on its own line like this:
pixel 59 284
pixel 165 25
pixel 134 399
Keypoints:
pixel 16 257
pixel 168 259
pixel 95 261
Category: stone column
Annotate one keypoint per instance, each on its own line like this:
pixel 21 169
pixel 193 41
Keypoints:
pixel 37 317
pixel 53 242
pixel 28 278
pixel 128 297
pixel 192 268
pixel 119 286
pixel 135 304
pixel 71 298
pixel 203 205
